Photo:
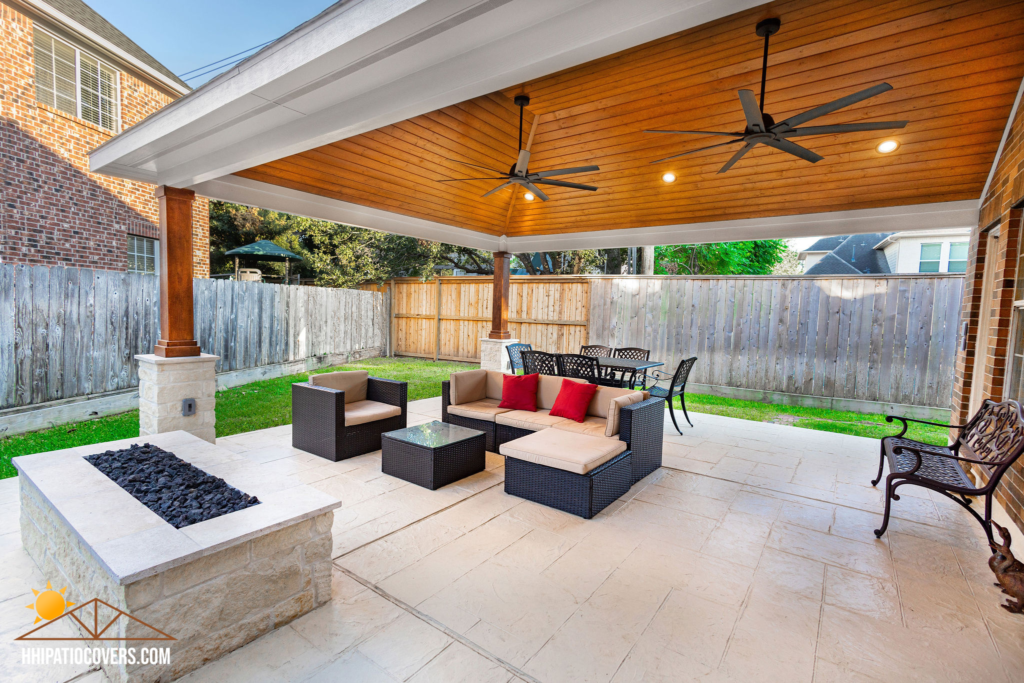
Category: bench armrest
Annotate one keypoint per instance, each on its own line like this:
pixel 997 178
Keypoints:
pixel 905 420
pixel 389 391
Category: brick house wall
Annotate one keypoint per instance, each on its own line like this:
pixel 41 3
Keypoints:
pixel 54 211
pixel 986 369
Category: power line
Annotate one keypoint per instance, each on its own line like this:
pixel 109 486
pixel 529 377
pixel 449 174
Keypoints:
pixel 205 66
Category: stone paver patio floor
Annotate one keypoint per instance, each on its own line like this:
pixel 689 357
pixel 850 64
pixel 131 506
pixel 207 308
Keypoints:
pixel 748 557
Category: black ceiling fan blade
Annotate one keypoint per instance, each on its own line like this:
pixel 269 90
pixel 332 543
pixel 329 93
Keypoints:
pixel 492 170
pixel 695 132
pixel 794 149
pixel 499 187
pixel 694 151
pixel 455 180
pixel 565 171
pixel 836 105
pixel 536 191
pixel 562 183
pixel 737 156
pixel 751 111
pixel 844 128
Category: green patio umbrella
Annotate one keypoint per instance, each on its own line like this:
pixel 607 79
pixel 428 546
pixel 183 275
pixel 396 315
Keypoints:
pixel 265 250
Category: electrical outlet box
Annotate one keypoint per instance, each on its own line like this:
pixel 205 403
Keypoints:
pixel 188 407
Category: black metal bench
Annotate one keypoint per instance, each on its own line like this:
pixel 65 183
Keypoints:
pixel 992 439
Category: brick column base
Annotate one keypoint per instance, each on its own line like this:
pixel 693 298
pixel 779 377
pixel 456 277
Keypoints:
pixel 164 383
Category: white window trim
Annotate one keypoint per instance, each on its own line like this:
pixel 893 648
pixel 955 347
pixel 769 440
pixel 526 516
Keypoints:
pixel 156 255
pixel 78 81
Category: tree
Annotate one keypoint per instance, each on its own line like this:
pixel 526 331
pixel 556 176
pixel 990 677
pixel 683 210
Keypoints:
pixel 790 264
pixel 562 262
pixel 722 258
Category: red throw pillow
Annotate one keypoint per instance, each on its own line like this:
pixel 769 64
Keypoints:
pixel 519 392
pixel 573 399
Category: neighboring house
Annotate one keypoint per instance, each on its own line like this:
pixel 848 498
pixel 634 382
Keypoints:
pixel 70 81
pixel 846 255
pixel 934 251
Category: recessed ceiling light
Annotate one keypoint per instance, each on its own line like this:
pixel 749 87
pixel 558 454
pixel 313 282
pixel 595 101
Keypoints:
pixel 528 196
pixel 669 177
pixel 887 146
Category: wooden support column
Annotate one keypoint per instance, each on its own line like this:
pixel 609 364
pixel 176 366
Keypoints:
pixel 177 330
pixel 499 307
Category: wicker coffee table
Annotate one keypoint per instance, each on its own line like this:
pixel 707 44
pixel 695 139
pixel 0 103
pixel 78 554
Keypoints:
pixel 434 454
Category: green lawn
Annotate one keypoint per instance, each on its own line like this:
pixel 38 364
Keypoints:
pixel 268 404
pixel 235 408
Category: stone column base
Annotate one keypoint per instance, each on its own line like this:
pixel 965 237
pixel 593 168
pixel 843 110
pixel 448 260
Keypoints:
pixel 165 382
pixel 493 355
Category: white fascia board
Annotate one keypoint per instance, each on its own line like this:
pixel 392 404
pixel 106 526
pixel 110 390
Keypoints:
pixel 960 214
pixel 923 232
pixel 267 196
pixel 963 214
pixel 373 63
pixel 62 19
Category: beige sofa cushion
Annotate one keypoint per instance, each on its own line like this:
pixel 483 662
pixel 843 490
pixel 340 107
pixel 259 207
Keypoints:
pixel 362 412
pixel 352 382
pixel 524 419
pixel 569 451
pixel 485 409
pixel 594 426
pixel 495 382
pixel 615 407
pixel 548 387
pixel 468 386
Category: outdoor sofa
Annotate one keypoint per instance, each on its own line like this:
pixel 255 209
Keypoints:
pixel 339 415
pixel 578 467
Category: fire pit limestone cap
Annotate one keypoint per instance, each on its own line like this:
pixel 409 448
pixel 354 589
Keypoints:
pixel 132 541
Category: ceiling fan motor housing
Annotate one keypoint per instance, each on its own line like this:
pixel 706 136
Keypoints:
pixel 768 27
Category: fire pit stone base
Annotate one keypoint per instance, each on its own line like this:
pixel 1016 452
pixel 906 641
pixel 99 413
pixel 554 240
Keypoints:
pixel 213 586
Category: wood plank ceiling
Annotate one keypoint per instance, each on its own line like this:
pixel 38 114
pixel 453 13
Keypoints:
pixel 955 68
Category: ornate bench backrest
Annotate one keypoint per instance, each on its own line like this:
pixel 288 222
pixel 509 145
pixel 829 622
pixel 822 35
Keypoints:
pixel 995 434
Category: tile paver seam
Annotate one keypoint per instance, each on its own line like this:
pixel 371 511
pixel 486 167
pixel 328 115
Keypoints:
pixel 431 621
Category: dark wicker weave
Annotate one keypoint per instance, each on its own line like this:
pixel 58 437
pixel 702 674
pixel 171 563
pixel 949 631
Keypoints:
pixel 584 367
pixel 993 440
pixel 540 362
pixel 318 419
pixel 484 426
pixel 578 494
pixel 642 427
pixel 432 468
pixel 515 358
pixel 506 433
pixel 676 387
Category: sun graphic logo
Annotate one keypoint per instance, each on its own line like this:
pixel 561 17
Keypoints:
pixel 49 603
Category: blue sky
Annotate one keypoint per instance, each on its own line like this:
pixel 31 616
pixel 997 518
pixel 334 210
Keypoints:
pixel 187 34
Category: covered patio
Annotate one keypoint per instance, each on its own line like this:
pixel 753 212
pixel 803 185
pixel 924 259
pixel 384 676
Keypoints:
pixel 748 556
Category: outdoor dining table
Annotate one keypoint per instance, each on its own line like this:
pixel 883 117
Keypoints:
pixel 627 366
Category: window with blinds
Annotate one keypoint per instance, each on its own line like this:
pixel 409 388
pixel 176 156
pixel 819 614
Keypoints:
pixel 75 82
pixel 142 254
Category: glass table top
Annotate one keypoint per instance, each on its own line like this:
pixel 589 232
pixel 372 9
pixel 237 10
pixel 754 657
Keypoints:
pixel 433 434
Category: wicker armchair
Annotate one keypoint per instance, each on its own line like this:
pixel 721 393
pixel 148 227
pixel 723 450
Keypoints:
pixel 318 418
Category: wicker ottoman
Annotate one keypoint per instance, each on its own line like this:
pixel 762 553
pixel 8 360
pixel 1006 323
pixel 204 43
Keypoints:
pixel 433 455
pixel 576 473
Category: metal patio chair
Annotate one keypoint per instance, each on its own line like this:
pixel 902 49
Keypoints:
pixel 676 387
pixel 538 361
pixel 584 367
pixel 515 357
pixel 634 353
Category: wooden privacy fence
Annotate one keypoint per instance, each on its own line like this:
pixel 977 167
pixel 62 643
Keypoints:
pixel 884 338
pixel 75 332
pixel 550 313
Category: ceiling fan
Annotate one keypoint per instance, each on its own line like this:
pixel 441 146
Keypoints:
pixel 519 174
pixel 761 128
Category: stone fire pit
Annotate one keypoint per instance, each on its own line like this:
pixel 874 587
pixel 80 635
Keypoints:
pixel 213 586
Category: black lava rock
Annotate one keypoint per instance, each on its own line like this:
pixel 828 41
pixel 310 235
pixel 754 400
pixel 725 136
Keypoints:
pixel 179 492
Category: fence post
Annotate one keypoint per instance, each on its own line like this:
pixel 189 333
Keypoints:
pixel 437 319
